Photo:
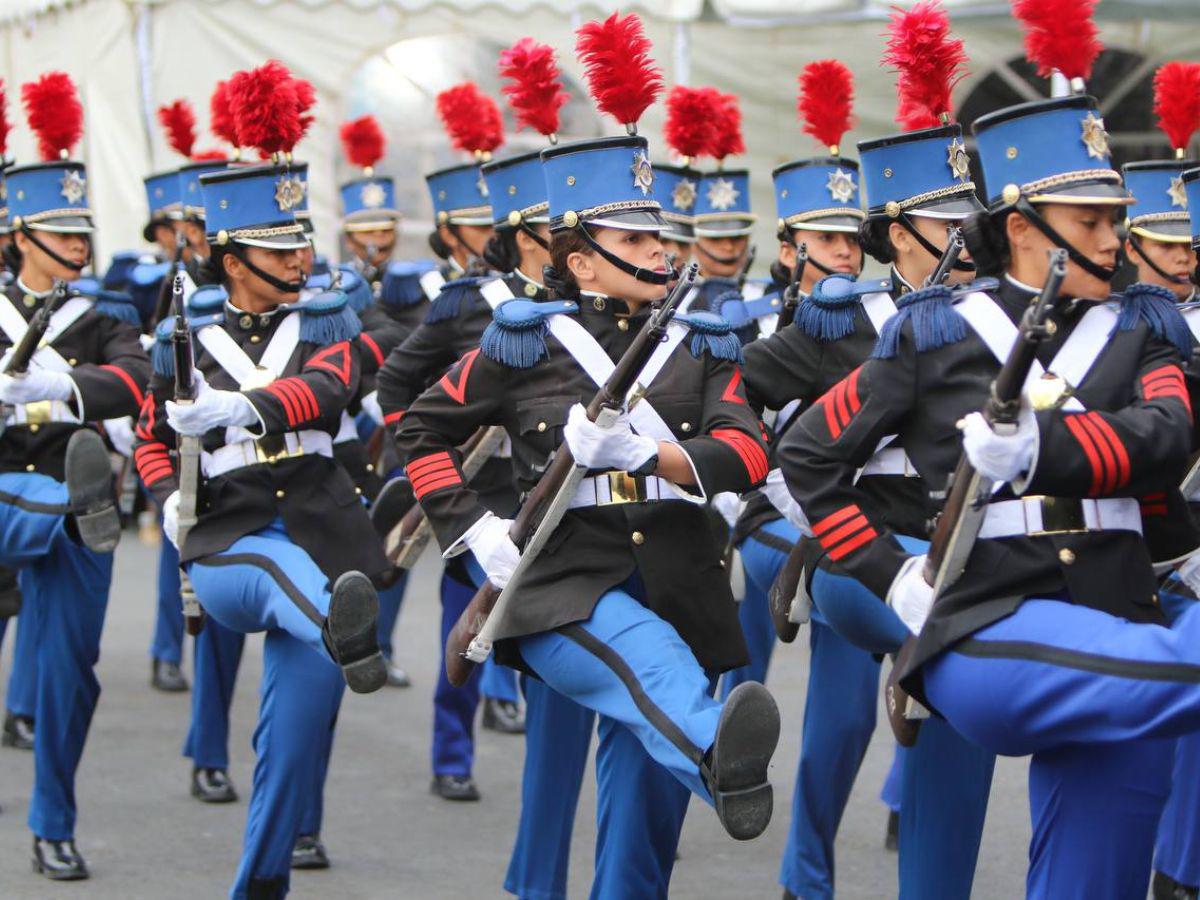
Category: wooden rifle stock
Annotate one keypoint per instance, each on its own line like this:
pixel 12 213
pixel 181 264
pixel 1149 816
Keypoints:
pixel 969 492
pixel 469 642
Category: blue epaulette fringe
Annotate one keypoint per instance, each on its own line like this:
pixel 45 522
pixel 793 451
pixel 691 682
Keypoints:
pixel 826 320
pixel 711 333
pixel 118 307
pixel 358 293
pixel 448 304
pixel 935 322
pixel 516 336
pixel 328 319
pixel 1156 306
pixel 162 354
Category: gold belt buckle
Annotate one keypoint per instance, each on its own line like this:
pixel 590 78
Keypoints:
pixel 1060 515
pixel 273 448
pixel 625 488
pixel 38 412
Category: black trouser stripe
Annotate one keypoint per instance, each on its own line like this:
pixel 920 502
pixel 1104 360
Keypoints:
pixel 648 708
pixel 271 568
pixel 774 541
pixel 1075 659
pixel 51 509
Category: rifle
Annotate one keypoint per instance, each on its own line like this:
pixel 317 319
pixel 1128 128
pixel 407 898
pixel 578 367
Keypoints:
pixel 791 294
pixel 745 272
pixel 969 492
pixel 188 448
pixel 31 340
pixel 954 249
pixel 166 293
pixel 470 641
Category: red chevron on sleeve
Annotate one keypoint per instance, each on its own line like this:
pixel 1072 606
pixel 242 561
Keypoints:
pixel 454 382
pixel 394 418
pixel 432 473
pixel 843 532
pixel 153 462
pixel 753 457
pixel 841 404
pixel 336 359
pixel 1105 452
pixel 299 401
pixel 731 390
pixel 127 380
pixel 1166 381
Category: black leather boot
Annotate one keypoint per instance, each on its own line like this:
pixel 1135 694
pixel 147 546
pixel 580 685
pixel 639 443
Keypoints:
pixel 18 732
pixel 455 787
pixel 212 786
pixel 309 853
pixel 166 676
pixel 58 860
pixel 503 716
pixel 735 767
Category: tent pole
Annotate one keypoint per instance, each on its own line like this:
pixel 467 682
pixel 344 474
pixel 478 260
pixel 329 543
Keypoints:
pixel 681 53
pixel 145 59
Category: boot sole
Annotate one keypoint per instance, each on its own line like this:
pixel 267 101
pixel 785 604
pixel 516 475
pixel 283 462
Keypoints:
pixel 89 487
pixel 353 613
pixel 231 797
pixel 310 865
pixel 747 735
pixel 39 869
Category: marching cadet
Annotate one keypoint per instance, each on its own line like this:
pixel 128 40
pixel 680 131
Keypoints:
pixel 60 522
pixel 650 615
pixel 1050 642
pixel 370 220
pixel 280 520
pixel 676 188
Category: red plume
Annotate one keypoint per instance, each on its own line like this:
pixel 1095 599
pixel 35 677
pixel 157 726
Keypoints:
pixel 209 156
pixel 471 118
pixel 928 63
pixel 5 125
pixel 363 141
pixel 220 116
pixel 1177 101
pixel 54 113
pixel 691 114
pixel 621 74
pixel 180 123
pixel 306 99
pixel 266 108
pixel 535 89
pixel 727 130
pixel 826 100
pixel 1060 34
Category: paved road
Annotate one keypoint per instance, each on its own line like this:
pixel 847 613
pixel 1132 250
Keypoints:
pixel 144 837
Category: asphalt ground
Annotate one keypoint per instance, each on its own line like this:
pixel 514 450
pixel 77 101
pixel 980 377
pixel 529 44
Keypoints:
pixel 145 837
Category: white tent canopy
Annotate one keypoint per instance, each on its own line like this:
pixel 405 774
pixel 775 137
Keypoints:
pixel 129 57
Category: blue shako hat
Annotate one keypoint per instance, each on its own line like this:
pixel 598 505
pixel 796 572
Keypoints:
pixel 191 198
pixel 1191 185
pixel 921 173
pixel 1048 151
pixel 516 189
pixel 1160 208
pixel 369 203
pixel 300 208
pixel 606 181
pixel 50 196
pixel 162 200
pixel 818 194
pixel 254 205
pixel 675 188
pixel 459 195
pixel 723 204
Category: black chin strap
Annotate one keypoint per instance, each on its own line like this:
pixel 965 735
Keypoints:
pixel 960 265
pixel 1025 208
pixel 647 275
pixel 288 287
pixel 36 241
pixel 823 269
pixel 532 232
pixel 1136 243
pixel 476 262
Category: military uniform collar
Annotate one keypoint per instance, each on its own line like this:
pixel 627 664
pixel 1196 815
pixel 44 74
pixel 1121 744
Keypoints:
pixel 37 295
pixel 238 320
pixel 591 303
pixel 900 284
pixel 524 286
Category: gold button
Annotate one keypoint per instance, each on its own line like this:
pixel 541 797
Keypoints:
pixel 571 180
pixel 1154 599
pixel 622 324
pixel 1066 557
pixel 358 491
pixel 254 338
pixel 279 495
pixel 370 467
pixel 887 173
pixel 541 426
pixel 33 429
pixel 1011 152
pixel 638 538
pixel 29 468
pixel 29 300
pixel 73 361
pixel 598 304
pixel 686 426
pixel 246 322
pixel 531 289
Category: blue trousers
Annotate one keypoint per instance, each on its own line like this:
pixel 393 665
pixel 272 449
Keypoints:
pixel 558 732
pixel 889 794
pixel 263 582
pixel 21 697
pixel 218 653
pixel 390 601
pixel 167 643
pixel 1096 700
pixel 65 595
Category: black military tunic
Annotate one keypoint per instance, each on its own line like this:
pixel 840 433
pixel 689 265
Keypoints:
pixel 595 548
pixel 1131 441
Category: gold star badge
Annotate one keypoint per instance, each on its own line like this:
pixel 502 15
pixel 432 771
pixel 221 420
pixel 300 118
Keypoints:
pixel 960 165
pixel 1095 138
pixel 841 186
pixel 289 192
pixel 643 173
pixel 683 197
pixel 74 187
pixel 1176 192
pixel 722 194
pixel 373 195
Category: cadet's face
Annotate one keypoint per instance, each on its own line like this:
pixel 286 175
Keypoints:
pixel 74 248
pixel 638 248
pixel 721 257
pixel 250 292
pixel 836 250
pixel 197 243
pixel 164 236
pixel 1089 229
pixel 680 252
pixel 1178 259
pixel 372 247
pixel 307 256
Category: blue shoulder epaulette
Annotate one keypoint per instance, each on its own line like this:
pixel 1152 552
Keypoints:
pixel 766 305
pixel 162 354
pixel 986 284
pixel 732 308
pixel 108 303
pixel 516 336
pixel 320 265
pixel 328 319
pixel 402 282
pixel 448 304
pixel 358 293
pixel 1156 307
pixel 935 322
pixel 827 314
pixel 116 276
pixel 712 333
pixel 145 274
pixel 206 299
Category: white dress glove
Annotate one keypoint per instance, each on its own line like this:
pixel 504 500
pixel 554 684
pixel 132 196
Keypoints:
pixel 170 513
pixel 615 447
pixel 211 409
pixel 1001 457
pixel 494 550
pixel 775 490
pixel 1189 573
pixel 120 434
pixel 370 405
pixel 35 385
pixel 910 596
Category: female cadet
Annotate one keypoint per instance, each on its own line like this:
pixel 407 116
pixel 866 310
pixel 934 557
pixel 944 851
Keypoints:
pixel 628 600
pixel 58 521
pixel 279 520
pixel 1049 642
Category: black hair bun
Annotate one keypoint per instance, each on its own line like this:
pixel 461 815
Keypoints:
pixel 984 237
pixel 873 237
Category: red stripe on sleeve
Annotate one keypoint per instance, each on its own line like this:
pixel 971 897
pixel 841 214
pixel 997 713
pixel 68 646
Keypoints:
pixel 418 465
pixel 843 409
pixel 431 473
pixel 310 398
pixel 283 395
pixel 848 547
pixel 430 487
pixel 751 454
pixel 128 381
pixel 302 395
pixel 146 432
pixel 394 418
pixel 852 392
pixel 839 534
pixel 1123 471
pixel 370 344
pixel 833 519
pixel 831 421
pixel 1076 427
